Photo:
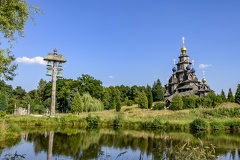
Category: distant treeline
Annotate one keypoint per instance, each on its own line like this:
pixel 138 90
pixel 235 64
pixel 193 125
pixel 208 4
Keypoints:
pixel 87 94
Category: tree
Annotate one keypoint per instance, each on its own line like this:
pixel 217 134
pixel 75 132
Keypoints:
pixel 230 97
pixel 224 99
pixel 237 95
pixel 149 96
pixel 14 14
pixel 177 102
pixel 77 104
pixel 3 101
pixel 91 104
pixel 91 85
pixel 157 91
pixel 118 104
pixel 142 100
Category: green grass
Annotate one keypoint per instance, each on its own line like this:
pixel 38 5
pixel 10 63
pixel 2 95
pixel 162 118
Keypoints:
pixel 224 116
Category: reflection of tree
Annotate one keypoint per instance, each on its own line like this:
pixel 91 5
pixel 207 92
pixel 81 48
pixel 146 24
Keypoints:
pixel 50 145
pixel 88 144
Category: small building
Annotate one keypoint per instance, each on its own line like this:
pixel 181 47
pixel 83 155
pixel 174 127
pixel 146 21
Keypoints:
pixel 184 80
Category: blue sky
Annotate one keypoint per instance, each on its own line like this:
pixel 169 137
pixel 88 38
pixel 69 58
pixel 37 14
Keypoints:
pixel 132 42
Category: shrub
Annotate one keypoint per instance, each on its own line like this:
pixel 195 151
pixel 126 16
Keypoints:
pixel 92 121
pixel 2 113
pixel 177 103
pixel 199 124
pixel 233 125
pixel 156 123
pixel 117 120
pixel 129 103
pixel 189 101
pixel 216 125
pixel 159 106
pixel 142 101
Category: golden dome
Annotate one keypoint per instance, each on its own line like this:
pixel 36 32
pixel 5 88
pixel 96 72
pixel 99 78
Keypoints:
pixel 204 80
pixel 183 49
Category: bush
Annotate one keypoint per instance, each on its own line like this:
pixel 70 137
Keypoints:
pixel 216 125
pixel 156 123
pixel 177 103
pixel 129 103
pixel 92 121
pixel 189 101
pixel 159 106
pixel 117 120
pixel 233 125
pixel 2 113
pixel 199 124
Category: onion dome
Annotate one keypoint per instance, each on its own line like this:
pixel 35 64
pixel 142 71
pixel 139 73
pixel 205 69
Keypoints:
pixel 183 49
pixel 174 69
pixel 193 70
pixel 188 67
pixel 204 80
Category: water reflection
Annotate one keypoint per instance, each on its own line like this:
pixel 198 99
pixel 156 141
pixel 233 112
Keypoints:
pixel 121 144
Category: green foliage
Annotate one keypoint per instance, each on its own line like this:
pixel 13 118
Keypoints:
pixel 91 104
pixel 204 102
pixel 14 14
pixel 189 101
pixel 159 106
pixel 233 125
pixel 156 123
pixel 118 104
pixel 2 113
pixel 117 120
pixel 3 100
pixel 142 100
pixel 90 85
pixel 224 99
pixel 230 97
pixel 157 91
pixel 215 99
pixel 216 125
pixel 237 95
pixel 177 103
pixel 149 96
pixel 38 108
pixel 128 102
pixel 92 121
pixel 77 104
pixel 199 124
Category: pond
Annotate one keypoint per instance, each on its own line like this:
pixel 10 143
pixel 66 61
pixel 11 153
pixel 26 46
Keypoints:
pixel 73 143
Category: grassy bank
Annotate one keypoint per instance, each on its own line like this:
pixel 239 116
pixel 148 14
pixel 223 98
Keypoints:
pixel 225 116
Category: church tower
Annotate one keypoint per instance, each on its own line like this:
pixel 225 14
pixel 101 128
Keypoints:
pixel 184 80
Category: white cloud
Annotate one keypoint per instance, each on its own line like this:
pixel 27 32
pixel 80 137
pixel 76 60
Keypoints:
pixel 202 66
pixel 110 77
pixel 35 60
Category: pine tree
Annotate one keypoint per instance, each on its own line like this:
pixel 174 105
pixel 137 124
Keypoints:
pixel 118 104
pixel 230 97
pixel 157 91
pixel 149 96
pixel 224 99
pixel 237 95
pixel 142 100
pixel 77 104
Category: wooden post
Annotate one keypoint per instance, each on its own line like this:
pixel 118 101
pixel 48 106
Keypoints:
pixel 53 100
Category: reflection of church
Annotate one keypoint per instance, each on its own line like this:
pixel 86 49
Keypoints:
pixel 184 80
